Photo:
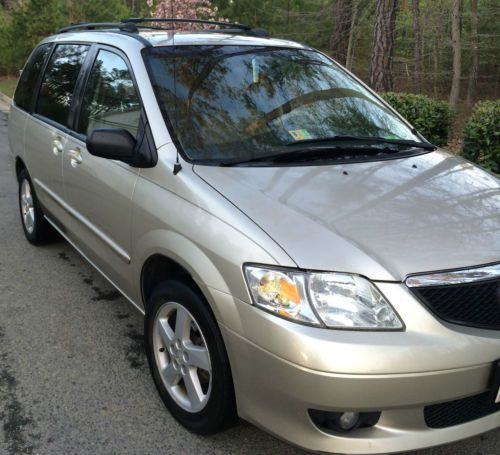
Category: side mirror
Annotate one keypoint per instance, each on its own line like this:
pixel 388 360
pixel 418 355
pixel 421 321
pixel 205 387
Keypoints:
pixel 111 143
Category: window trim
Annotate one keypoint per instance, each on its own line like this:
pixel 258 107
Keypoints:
pixel 54 123
pixel 81 88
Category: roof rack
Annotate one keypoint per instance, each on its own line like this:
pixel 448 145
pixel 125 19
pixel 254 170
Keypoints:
pixel 133 24
pixel 122 26
pixel 140 20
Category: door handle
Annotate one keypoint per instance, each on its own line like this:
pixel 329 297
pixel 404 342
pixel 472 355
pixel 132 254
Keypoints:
pixel 75 157
pixel 57 146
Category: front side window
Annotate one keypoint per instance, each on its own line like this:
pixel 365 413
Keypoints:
pixel 26 85
pixel 229 103
pixel 58 84
pixel 110 99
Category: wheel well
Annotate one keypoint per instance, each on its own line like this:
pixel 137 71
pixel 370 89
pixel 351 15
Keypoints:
pixel 160 268
pixel 19 166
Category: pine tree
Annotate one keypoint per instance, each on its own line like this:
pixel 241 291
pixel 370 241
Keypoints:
pixel 456 43
pixel 383 45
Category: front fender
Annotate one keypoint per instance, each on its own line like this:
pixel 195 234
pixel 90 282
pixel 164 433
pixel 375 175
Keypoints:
pixel 193 225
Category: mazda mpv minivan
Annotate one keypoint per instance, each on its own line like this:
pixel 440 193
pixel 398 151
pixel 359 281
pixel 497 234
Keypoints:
pixel 303 257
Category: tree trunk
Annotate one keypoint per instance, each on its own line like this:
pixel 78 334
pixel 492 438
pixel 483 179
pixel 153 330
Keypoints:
pixel 457 51
pixel 383 45
pixel 471 89
pixel 341 30
pixel 417 46
pixel 435 61
pixel 436 13
pixel 350 53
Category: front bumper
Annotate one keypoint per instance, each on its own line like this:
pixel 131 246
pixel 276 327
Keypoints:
pixel 275 395
pixel 282 369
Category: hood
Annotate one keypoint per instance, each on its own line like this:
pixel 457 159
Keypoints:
pixel 383 220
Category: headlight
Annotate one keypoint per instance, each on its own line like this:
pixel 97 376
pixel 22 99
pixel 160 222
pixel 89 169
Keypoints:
pixel 281 292
pixel 338 300
pixel 344 300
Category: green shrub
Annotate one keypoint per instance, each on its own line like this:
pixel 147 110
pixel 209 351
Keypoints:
pixel 481 137
pixel 432 118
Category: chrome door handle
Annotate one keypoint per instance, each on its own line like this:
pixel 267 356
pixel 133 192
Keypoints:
pixel 57 146
pixel 75 157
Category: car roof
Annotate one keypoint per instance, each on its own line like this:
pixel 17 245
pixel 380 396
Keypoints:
pixel 161 38
pixel 156 38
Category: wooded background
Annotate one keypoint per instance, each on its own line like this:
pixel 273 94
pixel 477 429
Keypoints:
pixel 448 49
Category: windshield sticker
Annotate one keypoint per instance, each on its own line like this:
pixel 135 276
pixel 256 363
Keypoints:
pixel 391 136
pixel 255 70
pixel 300 135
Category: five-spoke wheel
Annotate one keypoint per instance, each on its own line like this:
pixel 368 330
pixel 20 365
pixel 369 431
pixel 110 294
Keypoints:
pixel 188 359
pixel 182 356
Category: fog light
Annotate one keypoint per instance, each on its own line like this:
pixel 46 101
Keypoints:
pixel 348 420
pixel 343 421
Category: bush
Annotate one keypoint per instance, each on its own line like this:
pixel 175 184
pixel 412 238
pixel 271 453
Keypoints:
pixel 481 138
pixel 432 118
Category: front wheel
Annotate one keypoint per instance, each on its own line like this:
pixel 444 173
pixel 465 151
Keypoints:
pixel 188 359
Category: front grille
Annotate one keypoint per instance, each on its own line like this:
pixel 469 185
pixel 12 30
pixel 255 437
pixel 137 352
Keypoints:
pixel 475 304
pixel 459 411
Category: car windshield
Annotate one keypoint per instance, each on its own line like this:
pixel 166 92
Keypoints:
pixel 231 103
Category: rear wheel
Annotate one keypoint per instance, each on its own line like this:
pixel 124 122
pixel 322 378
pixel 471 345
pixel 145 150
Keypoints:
pixel 36 228
pixel 188 359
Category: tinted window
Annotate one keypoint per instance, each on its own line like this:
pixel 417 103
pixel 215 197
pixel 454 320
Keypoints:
pixel 59 81
pixel 110 99
pixel 29 76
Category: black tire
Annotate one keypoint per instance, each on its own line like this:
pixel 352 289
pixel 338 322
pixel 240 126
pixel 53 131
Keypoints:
pixel 40 232
pixel 219 411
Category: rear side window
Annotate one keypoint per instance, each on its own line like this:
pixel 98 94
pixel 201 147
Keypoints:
pixel 58 84
pixel 29 76
pixel 110 99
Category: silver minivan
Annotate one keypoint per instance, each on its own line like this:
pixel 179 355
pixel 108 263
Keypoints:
pixel 304 258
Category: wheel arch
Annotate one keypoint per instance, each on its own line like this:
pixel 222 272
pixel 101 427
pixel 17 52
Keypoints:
pixel 19 162
pixel 158 268
pixel 183 261
pixel 165 254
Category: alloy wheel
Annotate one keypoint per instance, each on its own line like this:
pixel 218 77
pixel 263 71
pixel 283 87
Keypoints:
pixel 182 357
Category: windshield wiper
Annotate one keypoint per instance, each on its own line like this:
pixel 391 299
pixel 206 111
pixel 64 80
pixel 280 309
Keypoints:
pixel 372 139
pixel 324 151
pixel 310 153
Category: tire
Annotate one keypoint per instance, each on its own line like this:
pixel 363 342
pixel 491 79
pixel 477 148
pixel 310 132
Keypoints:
pixel 36 228
pixel 183 341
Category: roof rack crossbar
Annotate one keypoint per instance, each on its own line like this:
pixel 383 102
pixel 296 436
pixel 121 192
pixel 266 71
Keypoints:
pixel 139 20
pixel 126 27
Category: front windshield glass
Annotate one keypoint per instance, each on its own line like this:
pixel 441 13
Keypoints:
pixel 241 102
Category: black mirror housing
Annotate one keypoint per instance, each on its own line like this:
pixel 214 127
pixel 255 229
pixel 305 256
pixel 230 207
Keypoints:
pixel 112 143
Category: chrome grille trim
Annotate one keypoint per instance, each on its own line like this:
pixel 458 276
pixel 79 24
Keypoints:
pixel 471 275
